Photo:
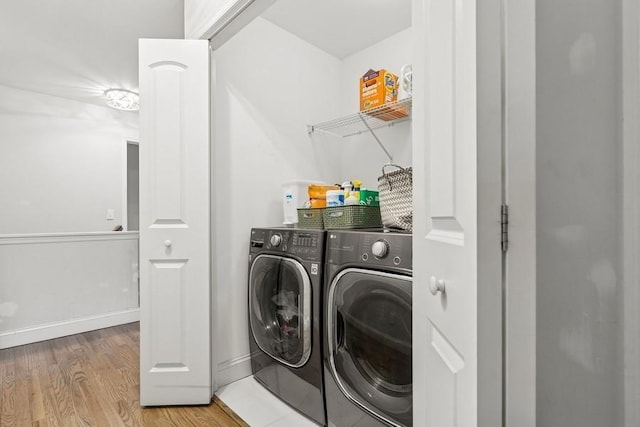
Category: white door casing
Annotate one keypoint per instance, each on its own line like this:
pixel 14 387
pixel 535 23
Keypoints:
pixel 175 326
pixel 457 146
pixel 520 193
pixel 631 209
pixel 219 20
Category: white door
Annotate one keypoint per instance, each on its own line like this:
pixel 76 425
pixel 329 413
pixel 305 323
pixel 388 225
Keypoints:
pixel 175 331
pixel 457 201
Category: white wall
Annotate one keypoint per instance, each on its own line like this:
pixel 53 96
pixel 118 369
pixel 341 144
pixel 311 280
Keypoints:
pixel 579 236
pixel 391 54
pixel 61 163
pixel 268 85
pixel 56 285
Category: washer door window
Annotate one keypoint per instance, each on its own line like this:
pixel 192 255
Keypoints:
pixel 369 338
pixel 280 308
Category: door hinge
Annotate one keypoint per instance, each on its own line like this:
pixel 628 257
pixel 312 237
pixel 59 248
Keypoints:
pixel 504 227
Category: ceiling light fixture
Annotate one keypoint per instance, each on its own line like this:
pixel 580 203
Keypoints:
pixel 122 99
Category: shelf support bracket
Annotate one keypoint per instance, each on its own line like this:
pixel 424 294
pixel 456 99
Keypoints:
pixel 376 138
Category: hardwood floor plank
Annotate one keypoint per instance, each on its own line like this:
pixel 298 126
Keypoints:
pixel 31 356
pixel 229 412
pixel 8 382
pixel 36 401
pixel 50 408
pixel 27 362
pixel 108 406
pixel 51 414
pixel 90 379
pixel 59 393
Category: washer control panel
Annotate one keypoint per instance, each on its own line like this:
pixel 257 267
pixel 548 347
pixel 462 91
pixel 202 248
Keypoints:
pixel 306 244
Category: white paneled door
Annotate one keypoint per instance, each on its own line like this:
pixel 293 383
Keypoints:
pixel 175 326
pixel 457 202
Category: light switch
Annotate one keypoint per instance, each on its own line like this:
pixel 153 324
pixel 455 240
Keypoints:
pixel 111 214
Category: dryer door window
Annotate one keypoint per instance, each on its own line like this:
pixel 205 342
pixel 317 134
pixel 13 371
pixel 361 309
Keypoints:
pixel 369 339
pixel 280 308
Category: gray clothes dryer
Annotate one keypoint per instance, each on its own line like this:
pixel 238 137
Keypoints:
pixel 368 329
pixel 285 286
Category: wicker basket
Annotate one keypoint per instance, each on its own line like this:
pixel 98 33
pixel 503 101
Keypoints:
pixel 396 197
pixel 310 218
pixel 352 216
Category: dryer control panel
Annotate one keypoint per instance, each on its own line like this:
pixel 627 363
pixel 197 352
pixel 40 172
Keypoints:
pixel 306 244
pixel 381 249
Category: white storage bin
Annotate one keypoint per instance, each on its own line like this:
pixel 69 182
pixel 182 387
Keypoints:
pixel 294 196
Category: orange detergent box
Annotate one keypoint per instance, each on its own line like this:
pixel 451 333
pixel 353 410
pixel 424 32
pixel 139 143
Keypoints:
pixel 377 88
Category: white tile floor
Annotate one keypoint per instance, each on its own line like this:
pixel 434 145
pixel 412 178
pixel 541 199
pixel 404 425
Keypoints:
pixel 258 407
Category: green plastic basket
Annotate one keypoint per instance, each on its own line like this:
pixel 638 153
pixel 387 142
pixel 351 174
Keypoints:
pixel 352 216
pixel 310 218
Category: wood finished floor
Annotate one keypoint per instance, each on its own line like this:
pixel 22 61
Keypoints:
pixel 90 379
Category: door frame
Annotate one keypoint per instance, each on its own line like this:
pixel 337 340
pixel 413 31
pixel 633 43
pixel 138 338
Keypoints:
pixel 631 207
pixel 519 170
pixel 518 134
pixel 232 18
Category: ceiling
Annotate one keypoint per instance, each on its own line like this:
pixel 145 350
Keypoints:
pixel 76 49
pixel 341 27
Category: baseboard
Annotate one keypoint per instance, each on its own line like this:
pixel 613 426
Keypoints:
pixel 233 370
pixel 68 327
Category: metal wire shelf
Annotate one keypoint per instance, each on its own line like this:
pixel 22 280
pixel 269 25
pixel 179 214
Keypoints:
pixel 365 121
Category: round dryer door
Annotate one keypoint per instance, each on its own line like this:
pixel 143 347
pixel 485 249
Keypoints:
pixel 280 309
pixel 369 340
